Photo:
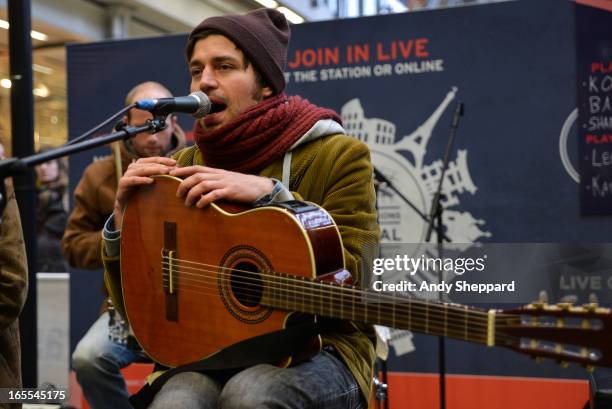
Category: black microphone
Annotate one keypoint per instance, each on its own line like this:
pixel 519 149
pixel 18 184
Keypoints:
pixel 196 104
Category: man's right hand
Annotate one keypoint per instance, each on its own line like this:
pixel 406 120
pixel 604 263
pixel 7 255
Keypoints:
pixel 137 174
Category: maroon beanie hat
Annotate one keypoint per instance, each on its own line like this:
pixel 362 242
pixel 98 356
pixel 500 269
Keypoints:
pixel 262 35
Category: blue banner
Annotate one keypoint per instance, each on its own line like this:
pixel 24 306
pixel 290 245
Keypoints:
pixel 395 80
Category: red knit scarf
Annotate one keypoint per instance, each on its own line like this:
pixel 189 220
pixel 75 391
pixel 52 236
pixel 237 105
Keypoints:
pixel 260 135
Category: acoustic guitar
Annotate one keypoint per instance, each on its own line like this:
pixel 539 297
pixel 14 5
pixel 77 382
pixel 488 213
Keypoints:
pixel 197 281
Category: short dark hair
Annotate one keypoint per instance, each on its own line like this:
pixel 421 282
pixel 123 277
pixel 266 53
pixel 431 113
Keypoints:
pixel 206 33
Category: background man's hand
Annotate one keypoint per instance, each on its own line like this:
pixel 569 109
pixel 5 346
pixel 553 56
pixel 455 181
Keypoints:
pixel 203 185
pixel 137 174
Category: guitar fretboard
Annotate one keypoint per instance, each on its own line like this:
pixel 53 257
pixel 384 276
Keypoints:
pixel 391 310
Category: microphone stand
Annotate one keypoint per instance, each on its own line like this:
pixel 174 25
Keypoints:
pixel 435 216
pixel 382 396
pixel 13 166
pixel 381 385
pixel 380 177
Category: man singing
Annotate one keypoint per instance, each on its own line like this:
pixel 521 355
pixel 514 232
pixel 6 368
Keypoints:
pixel 260 146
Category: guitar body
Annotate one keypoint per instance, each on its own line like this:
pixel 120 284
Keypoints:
pixel 193 279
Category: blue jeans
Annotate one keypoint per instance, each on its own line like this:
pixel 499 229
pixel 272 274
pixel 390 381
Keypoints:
pixel 97 361
pixel 323 382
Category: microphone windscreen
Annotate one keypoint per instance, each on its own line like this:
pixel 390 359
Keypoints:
pixel 204 105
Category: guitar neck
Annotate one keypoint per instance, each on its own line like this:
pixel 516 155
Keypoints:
pixel 395 311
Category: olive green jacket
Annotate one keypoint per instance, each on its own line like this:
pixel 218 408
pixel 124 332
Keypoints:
pixel 13 284
pixel 335 172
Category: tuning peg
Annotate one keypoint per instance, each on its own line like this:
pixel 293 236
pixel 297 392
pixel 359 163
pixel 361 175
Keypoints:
pixel 593 303
pixel 594 307
pixel 565 306
pixel 563 364
pixel 536 305
pixel 540 303
pixel 570 298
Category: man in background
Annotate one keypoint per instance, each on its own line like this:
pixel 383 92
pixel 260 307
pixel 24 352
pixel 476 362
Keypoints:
pixel 97 359
pixel 256 147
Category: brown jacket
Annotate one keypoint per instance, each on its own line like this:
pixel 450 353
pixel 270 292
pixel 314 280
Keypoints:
pixel 13 284
pixel 94 199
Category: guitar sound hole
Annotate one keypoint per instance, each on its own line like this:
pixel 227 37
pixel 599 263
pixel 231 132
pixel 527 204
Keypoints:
pixel 247 285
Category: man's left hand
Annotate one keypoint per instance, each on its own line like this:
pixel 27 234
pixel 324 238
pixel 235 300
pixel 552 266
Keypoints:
pixel 203 185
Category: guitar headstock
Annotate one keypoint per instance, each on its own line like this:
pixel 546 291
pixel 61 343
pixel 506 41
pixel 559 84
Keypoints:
pixel 563 332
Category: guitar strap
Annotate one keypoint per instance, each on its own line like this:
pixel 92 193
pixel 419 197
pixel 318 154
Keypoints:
pixel 271 347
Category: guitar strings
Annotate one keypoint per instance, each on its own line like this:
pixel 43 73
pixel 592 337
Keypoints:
pixel 379 305
pixel 318 286
pixel 314 291
pixel 435 326
pixel 329 287
pixel 359 312
pixel 324 286
pixel 307 280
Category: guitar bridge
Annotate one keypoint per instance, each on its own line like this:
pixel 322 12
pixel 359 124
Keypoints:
pixel 169 271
